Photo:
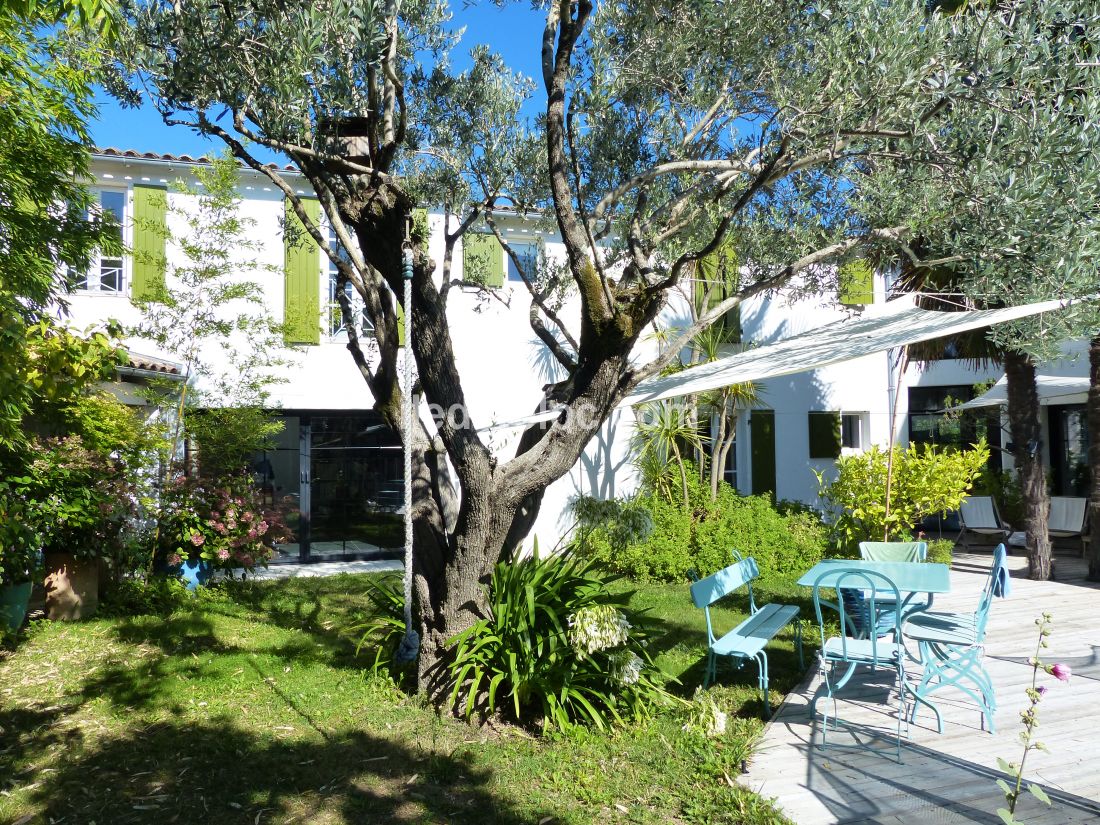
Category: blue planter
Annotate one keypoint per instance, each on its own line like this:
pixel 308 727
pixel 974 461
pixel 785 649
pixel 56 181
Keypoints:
pixel 192 572
pixel 14 599
pixel 196 572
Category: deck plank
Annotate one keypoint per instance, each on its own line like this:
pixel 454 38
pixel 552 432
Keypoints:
pixel 950 778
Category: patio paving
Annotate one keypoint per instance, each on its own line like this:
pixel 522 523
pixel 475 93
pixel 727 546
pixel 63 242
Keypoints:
pixel 951 777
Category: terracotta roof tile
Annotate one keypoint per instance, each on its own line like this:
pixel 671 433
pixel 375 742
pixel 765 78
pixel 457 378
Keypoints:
pixel 111 152
pixel 149 364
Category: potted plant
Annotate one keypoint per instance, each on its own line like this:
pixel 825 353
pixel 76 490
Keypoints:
pixel 20 559
pixel 217 524
pixel 84 502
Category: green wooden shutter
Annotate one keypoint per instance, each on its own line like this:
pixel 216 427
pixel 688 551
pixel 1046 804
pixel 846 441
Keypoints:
pixel 856 283
pixel 824 430
pixel 482 260
pixel 720 278
pixel 762 444
pixel 150 238
pixel 302 262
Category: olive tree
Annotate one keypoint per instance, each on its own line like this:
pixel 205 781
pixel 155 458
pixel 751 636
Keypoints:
pixel 1021 223
pixel 666 131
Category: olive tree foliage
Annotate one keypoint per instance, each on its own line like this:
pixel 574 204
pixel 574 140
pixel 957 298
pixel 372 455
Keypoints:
pixel 666 129
pixel 1021 224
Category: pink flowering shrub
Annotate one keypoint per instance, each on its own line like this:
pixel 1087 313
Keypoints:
pixel 221 521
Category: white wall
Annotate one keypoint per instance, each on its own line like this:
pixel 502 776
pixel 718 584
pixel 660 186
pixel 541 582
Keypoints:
pixel 504 366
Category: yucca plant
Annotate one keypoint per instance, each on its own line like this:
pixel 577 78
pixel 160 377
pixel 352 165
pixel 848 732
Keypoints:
pixel 559 645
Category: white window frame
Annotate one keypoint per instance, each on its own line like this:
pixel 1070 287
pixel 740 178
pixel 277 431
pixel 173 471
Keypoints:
pixel 92 280
pixel 512 273
pixel 864 420
pixel 334 328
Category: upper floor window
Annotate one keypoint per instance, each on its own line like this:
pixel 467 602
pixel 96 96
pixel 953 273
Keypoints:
pixel 335 315
pixel 528 254
pixel 107 272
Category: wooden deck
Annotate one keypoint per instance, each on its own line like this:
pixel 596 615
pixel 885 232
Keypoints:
pixel 950 778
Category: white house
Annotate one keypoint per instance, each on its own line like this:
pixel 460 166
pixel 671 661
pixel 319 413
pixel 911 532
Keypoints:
pixel 341 465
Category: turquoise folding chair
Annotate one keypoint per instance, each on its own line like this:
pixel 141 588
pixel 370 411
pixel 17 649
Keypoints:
pixel 952 647
pixel 855 646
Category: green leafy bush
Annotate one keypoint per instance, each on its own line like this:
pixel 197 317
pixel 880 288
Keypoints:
pixel 20 543
pixel 223 522
pixel 941 551
pixel 924 481
pixel 138 596
pixel 700 539
pixel 80 500
pixel 557 644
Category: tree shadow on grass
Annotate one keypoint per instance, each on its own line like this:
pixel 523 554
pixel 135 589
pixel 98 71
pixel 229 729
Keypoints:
pixel 209 772
pixel 325 609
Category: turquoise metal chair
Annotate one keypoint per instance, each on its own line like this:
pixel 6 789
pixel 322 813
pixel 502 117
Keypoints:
pixel 893 550
pixel 952 647
pixel 855 647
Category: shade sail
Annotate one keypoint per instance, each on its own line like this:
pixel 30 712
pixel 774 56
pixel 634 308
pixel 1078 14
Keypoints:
pixel 1053 389
pixel 900 323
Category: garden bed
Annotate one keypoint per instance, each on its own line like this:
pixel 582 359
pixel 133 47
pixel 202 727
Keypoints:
pixel 250 706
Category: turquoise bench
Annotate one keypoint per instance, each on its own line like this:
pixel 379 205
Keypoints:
pixel 748 639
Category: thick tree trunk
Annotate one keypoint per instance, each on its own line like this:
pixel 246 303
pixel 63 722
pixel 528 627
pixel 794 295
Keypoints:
pixel 1093 412
pixel 1024 425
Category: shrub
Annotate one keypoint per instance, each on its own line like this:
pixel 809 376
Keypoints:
pixel 20 543
pixel 940 551
pixel 701 539
pixel 925 481
pixel 558 644
pixel 81 501
pixel 223 522
pixel 139 596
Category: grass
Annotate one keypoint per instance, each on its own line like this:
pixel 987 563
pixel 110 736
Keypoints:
pixel 250 706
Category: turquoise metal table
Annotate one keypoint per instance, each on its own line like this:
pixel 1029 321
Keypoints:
pixel 913 576
pixel 913 580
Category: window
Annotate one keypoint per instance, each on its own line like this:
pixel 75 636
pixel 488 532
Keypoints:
pixel 931 420
pixel 729 472
pixel 106 271
pixel 824 430
pixel 335 315
pixel 851 431
pixel 528 254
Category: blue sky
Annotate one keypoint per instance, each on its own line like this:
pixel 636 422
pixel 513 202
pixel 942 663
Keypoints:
pixel 514 31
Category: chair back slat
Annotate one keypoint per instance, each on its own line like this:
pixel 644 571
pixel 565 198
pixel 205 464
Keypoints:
pixel 706 592
pixel 1067 514
pixel 901 551
pixel 877 594
pixel 998 572
pixel 979 512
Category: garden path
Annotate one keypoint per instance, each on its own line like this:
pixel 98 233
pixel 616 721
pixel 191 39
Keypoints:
pixel 951 777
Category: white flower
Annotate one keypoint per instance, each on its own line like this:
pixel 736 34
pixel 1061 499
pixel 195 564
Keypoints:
pixel 597 628
pixel 626 667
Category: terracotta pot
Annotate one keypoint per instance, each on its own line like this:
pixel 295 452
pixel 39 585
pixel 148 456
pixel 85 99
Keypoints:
pixel 72 587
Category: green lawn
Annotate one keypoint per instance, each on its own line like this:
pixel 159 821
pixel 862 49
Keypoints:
pixel 251 707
